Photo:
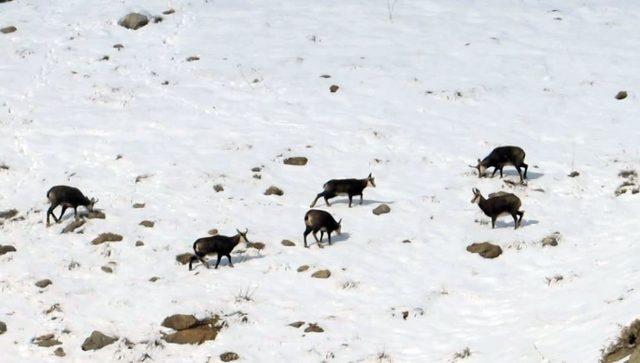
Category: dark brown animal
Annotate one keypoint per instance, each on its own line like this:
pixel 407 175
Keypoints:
pixel 497 204
pixel 222 245
pixel 318 220
pixel 68 197
pixel 499 158
pixel 349 187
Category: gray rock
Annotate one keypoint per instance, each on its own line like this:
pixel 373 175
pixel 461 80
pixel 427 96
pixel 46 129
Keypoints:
pixel 7 214
pixel 59 352
pixel 43 283
pixel 273 190
pixel 313 328
pixel 134 21
pixel 303 268
pixel 8 29
pixel 286 242
pixel 139 243
pixel 381 209
pixel 621 95
pixel 297 324
pixel 73 225
pixel 184 258
pixel 138 205
pixel 321 274
pixel 97 340
pixel 107 269
pixel 3 328
pixel 218 188
pixel 148 224
pixel 6 249
pixel 334 88
pixel 551 240
pixel 46 341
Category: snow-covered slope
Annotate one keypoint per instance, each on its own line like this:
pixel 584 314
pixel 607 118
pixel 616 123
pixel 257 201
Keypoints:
pixel 426 88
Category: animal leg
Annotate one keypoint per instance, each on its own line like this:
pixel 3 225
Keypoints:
pixel 321 235
pixel 229 258
pixel 64 208
pixel 219 258
pixel 526 167
pixel 495 169
pixel 316 200
pixel 350 200
pixel 204 262
pixel 520 173
pixel 501 171
pixel 521 214
pixel 493 222
pixel 360 199
pixel 316 236
pixel 515 219
pixel 305 234
pixel 191 261
pixel 75 212
pixel 329 236
pixel 50 213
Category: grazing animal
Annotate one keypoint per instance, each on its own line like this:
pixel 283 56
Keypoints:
pixel 318 220
pixel 497 204
pixel 349 187
pixel 68 197
pixel 499 158
pixel 222 245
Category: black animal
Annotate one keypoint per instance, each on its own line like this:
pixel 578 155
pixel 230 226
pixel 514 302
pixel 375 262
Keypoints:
pixel 501 156
pixel 349 187
pixel 497 204
pixel 68 197
pixel 222 245
pixel 318 220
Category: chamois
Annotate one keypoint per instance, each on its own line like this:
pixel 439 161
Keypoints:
pixel 499 158
pixel 318 220
pixel 350 187
pixel 497 204
pixel 222 245
pixel 68 197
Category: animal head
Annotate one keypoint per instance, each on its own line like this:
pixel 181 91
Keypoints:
pixel 371 181
pixel 243 235
pixel 92 202
pixel 339 230
pixel 476 195
pixel 481 169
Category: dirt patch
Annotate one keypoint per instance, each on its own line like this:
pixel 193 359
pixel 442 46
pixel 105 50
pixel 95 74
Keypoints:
pixel 485 249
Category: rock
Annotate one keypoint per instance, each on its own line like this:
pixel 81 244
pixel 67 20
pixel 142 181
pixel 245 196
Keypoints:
pixel 551 240
pixel 139 205
pixel 334 88
pixel 257 245
pixel 107 269
pixel 381 209
pixel 229 356
pixel 313 328
pixel 43 283
pixel 134 21
pixel 180 322
pixel 273 190
pixel 73 265
pixel 157 19
pixel 184 258
pixel 573 174
pixel 406 241
pixel 118 46
pixel 193 58
pixel 213 232
pixel 325 76
pixel 218 188
pixel 6 249
pixel 140 178
pixel 626 344
pixel 297 324
pixel 46 341
pixel 303 268
pixel 321 274
pixel 286 242
pixel 154 279
pixel 96 214
pixel 3 328
pixel 196 335
pixel 139 243
pixel 485 249
pixel 7 214
pixel 621 95
pixel 73 225
pixel 148 224
pixel 256 169
pixel 168 12
pixel 97 340
pixel 106 237
pixel 59 352
pixel 257 176
pixel 8 29
pixel 628 174
pixel 296 160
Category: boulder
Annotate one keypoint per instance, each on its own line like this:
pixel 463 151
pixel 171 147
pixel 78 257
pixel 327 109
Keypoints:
pixel 180 321
pixel 97 340
pixel 134 21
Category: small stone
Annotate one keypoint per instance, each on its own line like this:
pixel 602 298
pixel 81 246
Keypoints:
pixel 321 274
pixel 257 176
pixel 148 224
pixel 97 340
pixel 180 322
pixel 273 190
pixel 296 160
pixel 8 29
pixel 184 258
pixel 621 95
pixel 286 242
pixel 157 19
pixel 46 341
pixel 381 209
pixel 134 21
pixel 154 279
pixel 218 188
pixel 168 12
pixel 8 214
pixel 107 269
pixel 96 214
pixel 43 283
pixel 118 47
pixel 257 245
pixel 213 232
pixel 6 249
pixel 3 328
pixel 325 76
pixel 406 241
pixel 193 58
pixel 59 352
pixel 73 265
pixel 573 174
pixel 139 205
pixel 106 237
pixel 303 268
pixel 485 249
pixel 313 328
pixel 334 88
pixel 139 243
pixel 297 324
pixel 256 169
pixel 229 356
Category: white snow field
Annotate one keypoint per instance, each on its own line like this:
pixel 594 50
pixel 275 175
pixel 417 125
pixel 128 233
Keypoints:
pixel 426 88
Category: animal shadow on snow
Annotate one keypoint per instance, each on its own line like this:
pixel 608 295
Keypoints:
pixel 531 175
pixel 356 202
pixel 525 222
pixel 325 242
pixel 236 259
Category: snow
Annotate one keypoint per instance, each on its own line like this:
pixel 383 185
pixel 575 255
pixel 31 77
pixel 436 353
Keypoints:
pixel 423 93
